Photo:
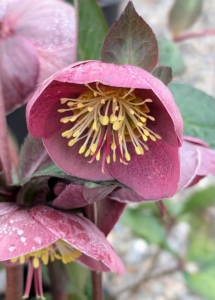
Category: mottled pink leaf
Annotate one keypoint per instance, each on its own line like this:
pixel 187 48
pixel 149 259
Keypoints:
pixel 131 41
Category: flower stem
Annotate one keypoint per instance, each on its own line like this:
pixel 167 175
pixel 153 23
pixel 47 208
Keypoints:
pixel 194 35
pixel 58 278
pixel 90 212
pixel 97 293
pixel 14 282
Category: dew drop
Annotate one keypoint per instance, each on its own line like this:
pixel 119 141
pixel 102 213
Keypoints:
pixel 38 240
pixel 23 239
pixel 20 232
pixel 11 248
pixel 11 221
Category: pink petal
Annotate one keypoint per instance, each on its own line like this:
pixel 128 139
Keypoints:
pixel 33 156
pixel 80 233
pixel 197 161
pixel 189 164
pixel 150 175
pixel 126 195
pixel 19 67
pixel 20 232
pixel 98 193
pixel 68 158
pixel 109 212
pixel 74 196
pixel 70 197
pixel 92 71
pixel 28 230
pixel 38 38
pixel 51 27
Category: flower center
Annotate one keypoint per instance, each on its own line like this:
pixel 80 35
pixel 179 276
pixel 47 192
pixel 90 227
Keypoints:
pixel 106 119
pixel 66 253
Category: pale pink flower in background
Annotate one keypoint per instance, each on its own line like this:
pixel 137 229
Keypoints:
pixel 36 39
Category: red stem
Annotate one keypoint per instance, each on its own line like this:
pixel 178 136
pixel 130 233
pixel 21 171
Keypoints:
pixel 194 35
pixel 14 282
pixel 58 278
pixel 97 285
pixel 97 294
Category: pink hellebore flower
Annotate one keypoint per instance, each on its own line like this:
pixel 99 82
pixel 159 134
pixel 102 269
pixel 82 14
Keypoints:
pixel 101 121
pixel 37 38
pixel 40 234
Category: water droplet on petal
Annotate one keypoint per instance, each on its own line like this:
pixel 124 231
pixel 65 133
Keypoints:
pixel 20 232
pixel 38 240
pixel 23 239
pixel 12 248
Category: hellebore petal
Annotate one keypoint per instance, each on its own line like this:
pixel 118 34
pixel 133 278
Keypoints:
pixel 74 196
pixel 25 231
pixel 19 68
pixel 33 156
pixel 197 161
pixel 108 212
pixel 36 40
pixel 105 109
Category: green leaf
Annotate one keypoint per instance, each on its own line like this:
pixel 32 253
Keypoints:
pixel 200 200
pixel 92 30
pixel 197 109
pixel 78 278
pixel 202 282
pixel 183 14
pixel 131 41
pixel 170 55
pixel 143 225
pixel 201 239
pixel 49 171
pixel 163 73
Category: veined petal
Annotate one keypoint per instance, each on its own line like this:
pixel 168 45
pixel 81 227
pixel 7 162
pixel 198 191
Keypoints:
pixel 19 67
pixel 27 231
pixel 82 234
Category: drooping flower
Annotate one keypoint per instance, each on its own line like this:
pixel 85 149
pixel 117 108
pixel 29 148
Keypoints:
pixel 36 39
pixel 197 161
pixel 40 234
pixel 101 121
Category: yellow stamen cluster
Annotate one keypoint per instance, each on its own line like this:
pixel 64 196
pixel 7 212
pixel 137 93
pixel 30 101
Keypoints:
pixel 66 253
pixel 108 118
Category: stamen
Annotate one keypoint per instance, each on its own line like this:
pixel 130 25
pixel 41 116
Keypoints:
pixel 108 119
